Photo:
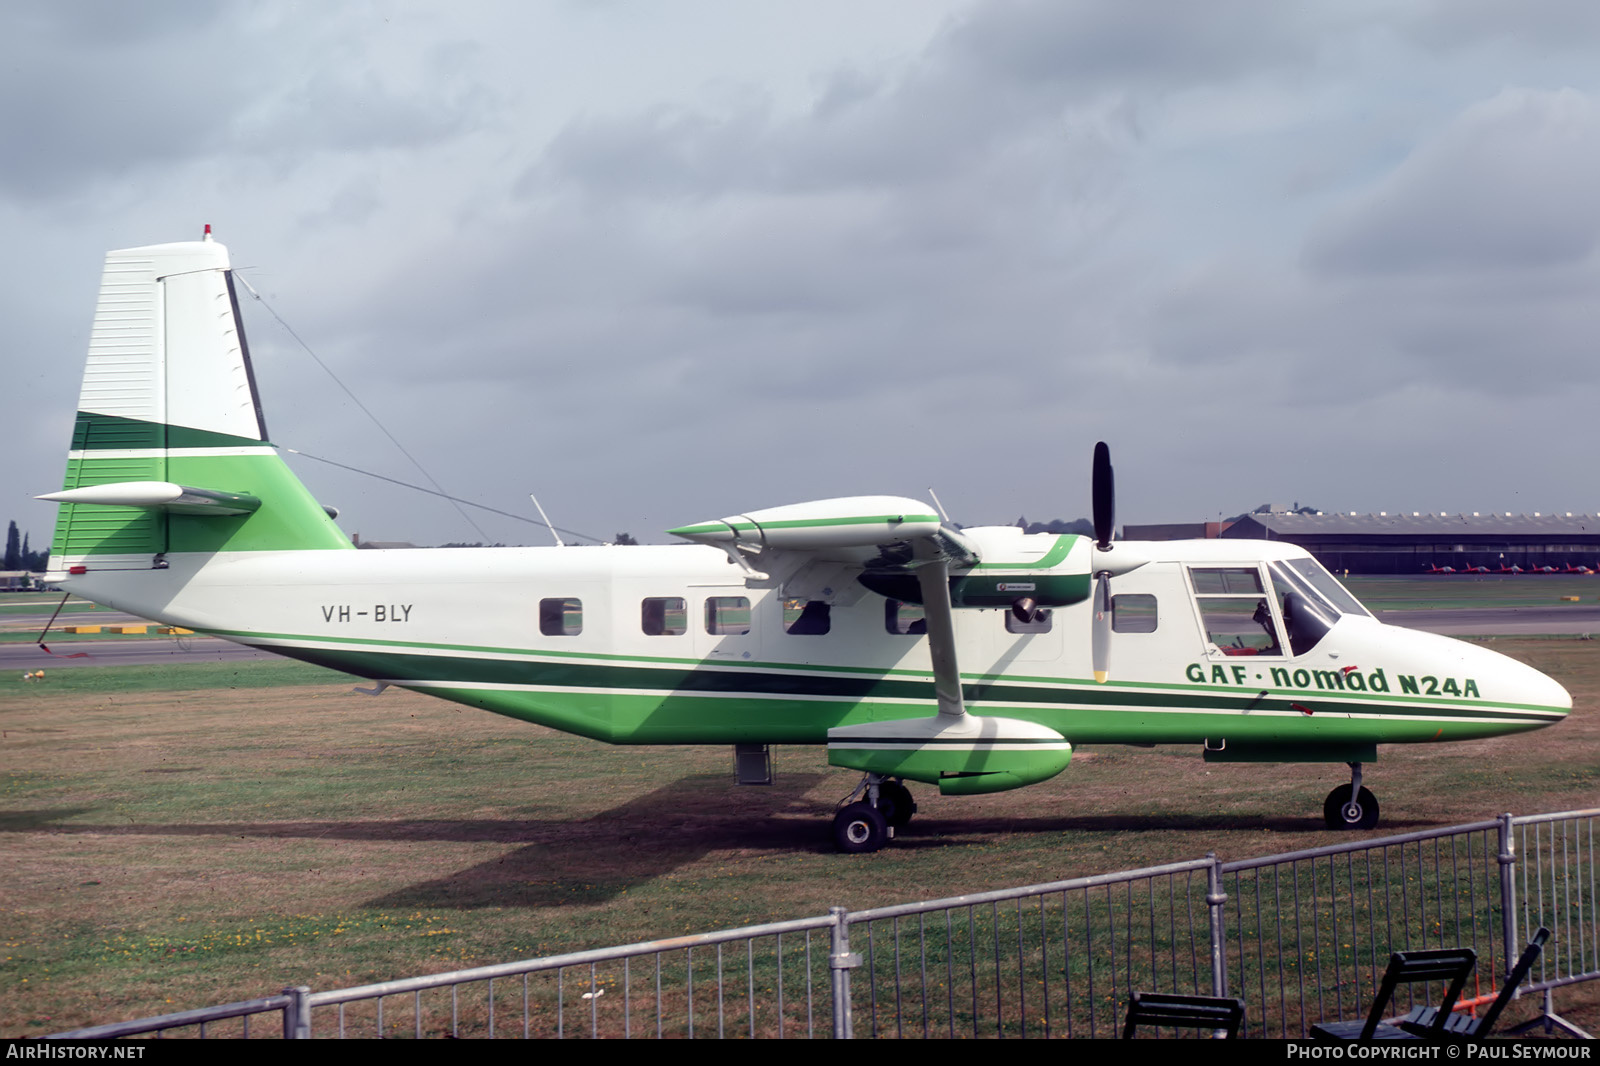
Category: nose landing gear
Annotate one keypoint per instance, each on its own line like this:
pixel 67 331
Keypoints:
pixel 1351 806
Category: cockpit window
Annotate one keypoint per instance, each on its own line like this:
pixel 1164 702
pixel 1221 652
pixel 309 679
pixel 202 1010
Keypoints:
pixel 1311 601
pixel 1328 585
pixel 1212 580
pixel 1290 581
pixel 1235 609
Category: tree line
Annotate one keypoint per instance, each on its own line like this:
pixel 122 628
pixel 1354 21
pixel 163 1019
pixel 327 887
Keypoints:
pixel 19 556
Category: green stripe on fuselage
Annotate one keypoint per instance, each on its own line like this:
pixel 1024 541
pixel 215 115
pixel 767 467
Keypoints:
pixel 678 703
pixel 1058 551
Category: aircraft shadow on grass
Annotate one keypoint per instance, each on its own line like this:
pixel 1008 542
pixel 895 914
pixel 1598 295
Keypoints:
pixel 561 860
pixel 570 862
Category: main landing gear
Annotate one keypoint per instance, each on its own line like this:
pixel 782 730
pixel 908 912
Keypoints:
pixel 1350 806
pixel 869 823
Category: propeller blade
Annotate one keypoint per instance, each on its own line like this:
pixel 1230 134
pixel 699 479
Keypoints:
pixel 1101 649
pixel 1105 496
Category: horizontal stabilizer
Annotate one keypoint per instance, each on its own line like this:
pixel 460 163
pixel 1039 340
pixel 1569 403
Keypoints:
pixel 159 496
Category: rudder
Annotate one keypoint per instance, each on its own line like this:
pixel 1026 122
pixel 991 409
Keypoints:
pixel 169 402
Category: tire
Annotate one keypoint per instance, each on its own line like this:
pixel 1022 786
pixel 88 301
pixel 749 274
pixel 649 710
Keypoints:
pixel 895 804
pixel 1339 813
pixel 860 828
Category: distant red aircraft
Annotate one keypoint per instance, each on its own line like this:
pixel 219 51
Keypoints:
pixel 1474 570
pixel 1576 568
pixel 1513 569
pixel 1543 570
pixel 1441 569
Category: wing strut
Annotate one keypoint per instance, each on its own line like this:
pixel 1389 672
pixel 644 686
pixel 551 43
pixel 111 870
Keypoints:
pixel 933 576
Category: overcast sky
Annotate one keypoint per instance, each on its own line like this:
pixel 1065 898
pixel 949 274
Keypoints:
pixel 659 263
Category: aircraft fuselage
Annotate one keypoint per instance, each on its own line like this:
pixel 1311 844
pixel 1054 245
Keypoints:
pixel 671 645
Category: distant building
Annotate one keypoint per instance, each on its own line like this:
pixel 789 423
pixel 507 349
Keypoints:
pixel 1176 531
pixel 355 538
pixel 1411 543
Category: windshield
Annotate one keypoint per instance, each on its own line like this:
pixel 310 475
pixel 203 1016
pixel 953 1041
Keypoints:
pixel 1326 584
pixel 1310 601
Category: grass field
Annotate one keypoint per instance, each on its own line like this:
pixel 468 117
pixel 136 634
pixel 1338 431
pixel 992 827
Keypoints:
pixel 179 837
pixel 1472 590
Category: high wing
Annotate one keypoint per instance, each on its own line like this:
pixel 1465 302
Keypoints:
pixel 895 547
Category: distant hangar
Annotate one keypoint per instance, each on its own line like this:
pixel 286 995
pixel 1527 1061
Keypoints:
pixel 1411 543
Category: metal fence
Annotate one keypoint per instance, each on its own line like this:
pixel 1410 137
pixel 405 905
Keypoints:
pixel 1301 938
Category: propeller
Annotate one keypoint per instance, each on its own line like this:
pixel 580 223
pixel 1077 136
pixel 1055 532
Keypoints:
pixel 1105 497
pixel 1103 489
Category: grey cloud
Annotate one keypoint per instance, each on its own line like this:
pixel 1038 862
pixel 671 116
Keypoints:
pixel 1304 341
pixel 98 108
pixel 1166 44
pixel 97 22
pixel 1507 186
pixel 339 111
pixel 1057 221
pixel 950 115
pixel 668 152
pixel 190 83
pixel 1545 25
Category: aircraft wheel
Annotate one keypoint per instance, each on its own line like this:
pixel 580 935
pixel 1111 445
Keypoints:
pixel 1339 813
pixel 895 804
pixel 860 827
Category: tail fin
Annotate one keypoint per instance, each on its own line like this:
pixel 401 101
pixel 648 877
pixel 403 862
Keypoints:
pixel 170 450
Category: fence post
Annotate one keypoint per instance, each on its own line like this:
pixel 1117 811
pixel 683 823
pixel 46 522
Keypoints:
pixel 297 1013
pixel 1508 893
pixel 841 961
pixel 1215 900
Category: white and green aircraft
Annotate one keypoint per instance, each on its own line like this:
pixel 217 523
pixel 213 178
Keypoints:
pixel 972 659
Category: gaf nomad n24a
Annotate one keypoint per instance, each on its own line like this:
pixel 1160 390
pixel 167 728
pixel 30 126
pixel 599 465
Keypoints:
pixel 972 660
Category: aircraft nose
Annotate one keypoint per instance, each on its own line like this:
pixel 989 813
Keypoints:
pixel 1531 687
pixel 1479 672
pixel 1551 693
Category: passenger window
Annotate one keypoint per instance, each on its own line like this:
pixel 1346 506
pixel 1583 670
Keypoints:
pixel 904 619
pixel 664 616
pixel 806 618
pixel 1042 625
pixel 561 618
pixel 727 615
pixel 1133 613
pixel 1236 624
